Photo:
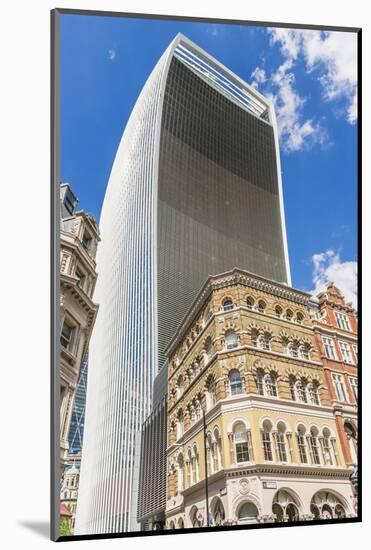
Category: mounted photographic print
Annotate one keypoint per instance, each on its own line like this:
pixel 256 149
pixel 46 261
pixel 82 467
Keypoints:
pixel 205 234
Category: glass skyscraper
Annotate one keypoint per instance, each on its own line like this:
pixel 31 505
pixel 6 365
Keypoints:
pixel 195 190
pixel 76 432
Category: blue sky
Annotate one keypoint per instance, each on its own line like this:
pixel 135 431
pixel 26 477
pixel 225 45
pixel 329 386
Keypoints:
pixel 310 75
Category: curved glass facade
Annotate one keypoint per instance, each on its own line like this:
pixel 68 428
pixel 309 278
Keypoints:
pixel 194 191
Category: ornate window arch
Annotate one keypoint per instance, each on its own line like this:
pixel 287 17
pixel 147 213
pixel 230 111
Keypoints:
pixel 278 311
pixel 262 306
pixel 304 352
pixel 314 445
pixel 301 442
pixel 231 339
pixel 301 390
pixel 289 314
pixel 266 433
pixel 299 318
pixel 250 302
pixel 247 513
pixel 281 442
pixel 285 507
pixel 210 392
pixel 235 382
pixel 227 304
pixel 313 392
pixel 263 341
pixel 292 349
pixel 180 424
pixel 179 386
pixel 327 505
pixel 209 349
pixel 242 442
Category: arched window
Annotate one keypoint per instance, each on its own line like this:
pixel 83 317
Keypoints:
pixel 250 302
pixel 327 451
pixel 211 393
pixel 267 440
pixel 263 341
pixel 254 338
pixel 194 465
pixel 188 468
pixel 231 339
pixel 299 318
pixel 301 390
pixel 217 455
pixel 198 410
pixel 292 349
pixel 281 442
pixel 248 513
pixel 285 507
pixel 260 381
pixel 209 350
pixel 304 352
pixel 180 523
pixel 351 434
pixel 235 382
pixel 195 517
pixel 289 315
pixel 218 512
pixel 300 438
pixel 313 395
pixel 241 442
pixel 292 382
pixel 228 304
pixel 278 311
pixel 180 425
pixel 313 446
pixel 325 505
pixel 261 306
pixel 270 385
pixel 180 386
pixel 180 473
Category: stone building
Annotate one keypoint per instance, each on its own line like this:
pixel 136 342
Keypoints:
pixel 69 491
pixel 246 383
pixel 335 326
pixel 79 237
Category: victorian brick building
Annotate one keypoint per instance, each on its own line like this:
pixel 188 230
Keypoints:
pixel 251 431
pixel 335 326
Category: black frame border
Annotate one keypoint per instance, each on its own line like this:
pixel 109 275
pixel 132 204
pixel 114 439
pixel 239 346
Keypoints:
pixel 55 282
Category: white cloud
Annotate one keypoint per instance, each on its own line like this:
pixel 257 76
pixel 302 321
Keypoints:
pixel 334 53
pixel 296 134
pixel 258 76
pixel 328 267
pixel 112 54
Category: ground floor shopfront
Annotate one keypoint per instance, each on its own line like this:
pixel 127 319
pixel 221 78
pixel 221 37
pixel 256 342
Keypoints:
pixel 243 497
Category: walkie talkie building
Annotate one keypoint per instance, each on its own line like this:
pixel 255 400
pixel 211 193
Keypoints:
pixel 195 190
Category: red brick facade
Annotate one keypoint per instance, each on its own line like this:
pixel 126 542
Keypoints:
pixel 336 332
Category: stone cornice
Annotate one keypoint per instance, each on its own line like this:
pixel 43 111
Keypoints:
pixel 234 277
pixel 289 469
pixel 69 240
